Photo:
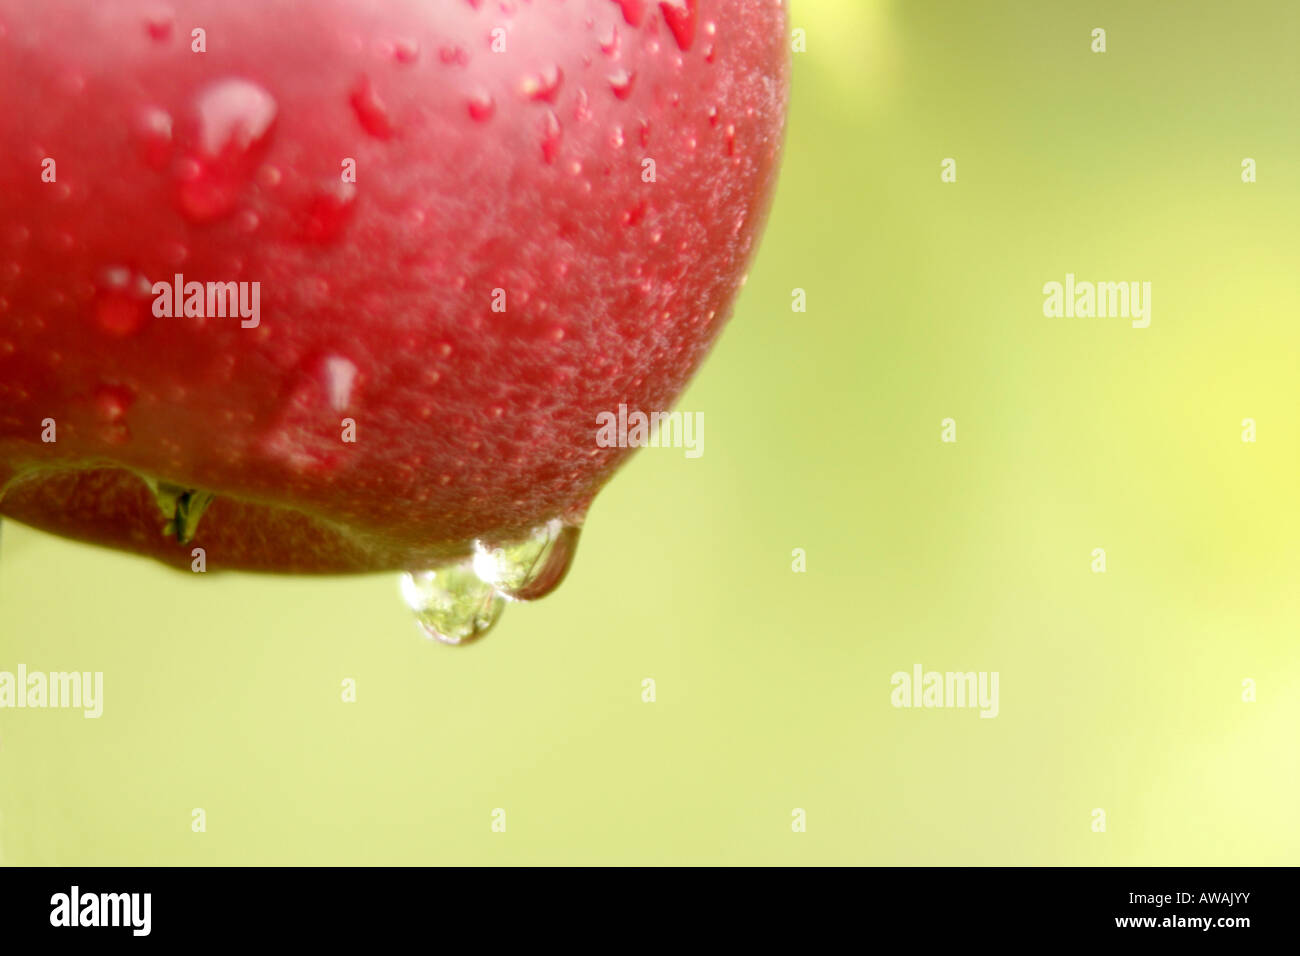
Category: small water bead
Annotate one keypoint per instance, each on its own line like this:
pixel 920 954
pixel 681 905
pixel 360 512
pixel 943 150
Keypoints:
pixel 234 116
pixel 543 85
pixel 111 402
pixel 680 15
pixel 406 50
pixel 454 55
pixel 532 567
pixel 552 132
pixel 620 81
pixel 158 24
pixel 154 129
pixel 633 11
pixel 338 375
pixel 461 601
pixel 452 604
pixel 329 211
pixel 122 302
pixel 481 106
pixel 370 110
pixel 609 43
pixel 582 107
pixel 269 177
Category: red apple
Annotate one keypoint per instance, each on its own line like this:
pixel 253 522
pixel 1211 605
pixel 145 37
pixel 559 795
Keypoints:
pixel 554 205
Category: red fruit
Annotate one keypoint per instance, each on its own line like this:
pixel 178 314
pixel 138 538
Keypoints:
pixel 500 154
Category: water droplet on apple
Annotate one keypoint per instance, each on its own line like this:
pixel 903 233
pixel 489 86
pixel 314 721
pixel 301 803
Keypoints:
pixel 338 375
pixel 609 42
pixel 111 403
pixel 531 567
pixel 371 111
pixel 154 127
pixel 235 115
pixel 461 601
pixel 451 603
pixel 551 134
pixel 329 211
pixel 481 106
pixel 633 11
pixel 620 81
pixel 406 50
pixel 453 55
pixel 543 85
pixel 122 302
pixel 680 15
pixel 158 24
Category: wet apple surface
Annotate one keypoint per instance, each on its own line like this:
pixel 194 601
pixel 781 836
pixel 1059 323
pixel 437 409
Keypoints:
pixel 345 288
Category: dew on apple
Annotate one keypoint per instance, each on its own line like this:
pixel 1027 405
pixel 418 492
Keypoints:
pixel 159 26
pixel 371 111
pixel 633 11
pixel 111 402
pixel 234 116
pixel 453 55
pixel 329 211
pixel 452 604
pixel 406 50
pixel 122 302
pixel 531 567
pixel 680 16
pixel 620 81
pixel 337 375
pixel 481 106
pixel 543 85
pixel 551 134
pixel 154 128
pixel 459 602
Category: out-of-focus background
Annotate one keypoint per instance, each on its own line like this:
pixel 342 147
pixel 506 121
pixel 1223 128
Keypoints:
pixel 1120 691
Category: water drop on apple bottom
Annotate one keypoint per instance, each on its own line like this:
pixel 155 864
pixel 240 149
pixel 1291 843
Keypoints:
pixel 451 603
pixel 459 602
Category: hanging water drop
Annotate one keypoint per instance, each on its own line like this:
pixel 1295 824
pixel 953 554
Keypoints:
pixel 452 604
pixel 532 567
pixel 460 602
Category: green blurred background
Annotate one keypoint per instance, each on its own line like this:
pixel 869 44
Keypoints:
pixel 1120 691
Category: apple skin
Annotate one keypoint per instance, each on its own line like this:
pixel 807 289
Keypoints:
pixel 521 171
